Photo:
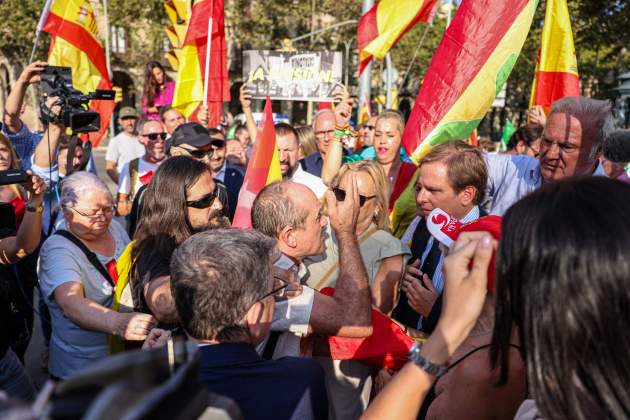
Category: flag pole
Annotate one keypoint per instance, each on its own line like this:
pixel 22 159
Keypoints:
pixel 40 25
pixel 112 126
pixel 208 52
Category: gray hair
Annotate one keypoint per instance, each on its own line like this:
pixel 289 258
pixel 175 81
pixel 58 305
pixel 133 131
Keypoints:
pixel 320 113
pixel 594 115
pixel 78 185
pixel 144 121
pixel 216 277
pixel 273 210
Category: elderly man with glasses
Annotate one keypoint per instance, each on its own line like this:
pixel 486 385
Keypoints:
pixel 225 292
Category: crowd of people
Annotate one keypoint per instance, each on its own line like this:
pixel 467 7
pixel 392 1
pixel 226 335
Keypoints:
pixel 514 307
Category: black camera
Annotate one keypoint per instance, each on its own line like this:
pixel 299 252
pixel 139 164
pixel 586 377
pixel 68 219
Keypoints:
pixel 75 113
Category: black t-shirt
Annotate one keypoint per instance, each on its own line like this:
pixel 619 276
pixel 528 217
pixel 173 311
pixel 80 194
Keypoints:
pixel 6 279
pixel 148 267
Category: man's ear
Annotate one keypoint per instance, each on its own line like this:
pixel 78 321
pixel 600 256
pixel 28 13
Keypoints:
pixel 287 237
pixel 467 195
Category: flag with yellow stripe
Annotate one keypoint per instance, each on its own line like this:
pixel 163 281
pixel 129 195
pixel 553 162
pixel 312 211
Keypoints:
pixel 556 70
pixel 384 24
pixel 468 69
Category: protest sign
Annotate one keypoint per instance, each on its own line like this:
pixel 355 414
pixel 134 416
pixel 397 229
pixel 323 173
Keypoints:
pixel 298 76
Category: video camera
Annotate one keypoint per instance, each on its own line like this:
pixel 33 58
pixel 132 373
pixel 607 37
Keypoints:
pixel 75 114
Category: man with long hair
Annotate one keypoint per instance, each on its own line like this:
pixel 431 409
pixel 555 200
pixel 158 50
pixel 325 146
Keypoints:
pixel 182 199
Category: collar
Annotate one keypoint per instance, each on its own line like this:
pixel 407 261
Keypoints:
pixel 223 354
pixel 221 174
pixel 472 215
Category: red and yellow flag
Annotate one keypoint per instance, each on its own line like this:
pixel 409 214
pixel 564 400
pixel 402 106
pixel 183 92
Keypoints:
pixel 75 43
pixel 384 24
pixel 469 67
pixel 189 87
pixel 262 170
pixel 556 70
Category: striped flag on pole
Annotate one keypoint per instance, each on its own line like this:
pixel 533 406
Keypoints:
pixel 556 70
pixel 262 170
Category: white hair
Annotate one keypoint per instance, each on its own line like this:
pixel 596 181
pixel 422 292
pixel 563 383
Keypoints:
pixel 320 113
pixel 78 185
pixel 594 115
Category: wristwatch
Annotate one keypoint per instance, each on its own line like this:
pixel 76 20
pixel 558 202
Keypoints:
pixel 424 364
pixel 39 209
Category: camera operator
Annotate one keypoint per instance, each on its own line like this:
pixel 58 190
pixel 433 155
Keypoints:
pixel 13 247
pixel 23 140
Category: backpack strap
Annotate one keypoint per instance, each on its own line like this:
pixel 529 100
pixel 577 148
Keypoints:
pixel 133 175
pixel 91 256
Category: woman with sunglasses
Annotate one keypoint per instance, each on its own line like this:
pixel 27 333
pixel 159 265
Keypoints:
pixel 77 273
pixel 158 90
pixel 384 255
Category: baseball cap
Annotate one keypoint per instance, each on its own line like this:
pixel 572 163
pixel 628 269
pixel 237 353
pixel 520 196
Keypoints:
pixel 190 133
pixel 127 111
pixel 446 229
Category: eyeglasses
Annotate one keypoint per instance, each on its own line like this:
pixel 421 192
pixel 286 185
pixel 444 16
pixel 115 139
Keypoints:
pixel 154 136
pixel 340 195
pixel 203 202
pixel 323 134
pixel 217 143
pixel 279 287
pixel 369 127
pixel 103 211
pixel 199 154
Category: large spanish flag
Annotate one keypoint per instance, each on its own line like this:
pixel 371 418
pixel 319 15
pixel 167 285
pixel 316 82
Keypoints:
pixel 262 170
pixel 384 24
pixel 556 70
pixel 75 43
pixel 468 69
pixel 189 87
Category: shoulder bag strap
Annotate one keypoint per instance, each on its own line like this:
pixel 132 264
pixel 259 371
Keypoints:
pixel 92 258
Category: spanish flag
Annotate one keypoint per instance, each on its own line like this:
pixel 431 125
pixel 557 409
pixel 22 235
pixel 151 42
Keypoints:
pixel 262 170
pixel 556 70
pixel 189 87
pixel 384 24
pixel 75 43
pixel 470 66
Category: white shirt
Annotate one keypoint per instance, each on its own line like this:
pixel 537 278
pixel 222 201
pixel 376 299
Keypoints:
pixel 123 148
pixel 314 183
pixel 144 167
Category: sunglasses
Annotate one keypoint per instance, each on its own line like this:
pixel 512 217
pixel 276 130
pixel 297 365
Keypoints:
pixel 369 127
pixel 154 136
pixel 217 143
pixel 340 195
pixel 199 154
pixel 203 202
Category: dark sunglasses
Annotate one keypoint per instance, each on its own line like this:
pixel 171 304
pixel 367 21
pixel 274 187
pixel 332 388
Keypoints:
pixel 340 195
pixel 199 154
pixel 369 127
pixel 154 136
pixel 203 202
pixel 218 143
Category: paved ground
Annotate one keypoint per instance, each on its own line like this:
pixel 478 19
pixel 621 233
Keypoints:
pixel 33 358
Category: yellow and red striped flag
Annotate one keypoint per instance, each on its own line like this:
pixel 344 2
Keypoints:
pixel 189 88
pixel 262 170
pixel 469 67
pixel 366 111
pixel 556 69
pixel 75 43
pixel 384 24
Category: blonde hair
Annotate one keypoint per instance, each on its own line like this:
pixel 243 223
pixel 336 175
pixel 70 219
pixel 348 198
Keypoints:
pixel 381 187
pixel 306 138
pixel 15 164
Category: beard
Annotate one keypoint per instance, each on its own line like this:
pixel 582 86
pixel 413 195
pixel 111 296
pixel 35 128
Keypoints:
pixel 216 220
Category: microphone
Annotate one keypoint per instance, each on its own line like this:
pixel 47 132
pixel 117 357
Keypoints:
pixel 617 146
